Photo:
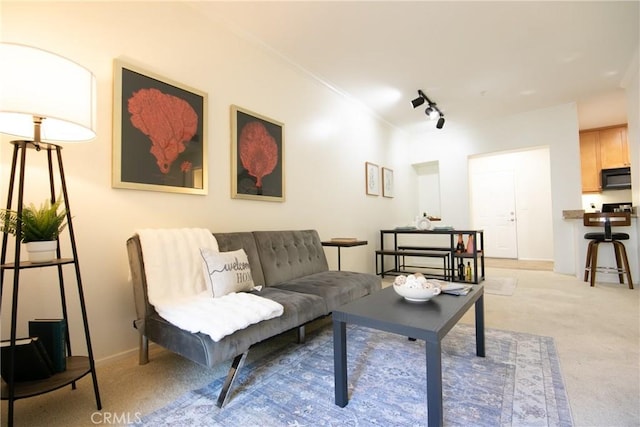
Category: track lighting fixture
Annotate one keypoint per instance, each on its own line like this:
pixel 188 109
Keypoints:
pixel 431 111
pixel 417 102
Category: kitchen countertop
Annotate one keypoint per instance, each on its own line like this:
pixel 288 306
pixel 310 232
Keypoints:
pixel 579 214
pixel 573 214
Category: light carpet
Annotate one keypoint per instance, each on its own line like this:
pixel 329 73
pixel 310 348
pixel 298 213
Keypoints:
pixel 518 383
pixel 500 285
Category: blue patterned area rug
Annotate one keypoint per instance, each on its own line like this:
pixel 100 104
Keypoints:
pixel 518 383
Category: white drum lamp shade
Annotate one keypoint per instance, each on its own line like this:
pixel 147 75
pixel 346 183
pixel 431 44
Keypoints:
pixel 36 84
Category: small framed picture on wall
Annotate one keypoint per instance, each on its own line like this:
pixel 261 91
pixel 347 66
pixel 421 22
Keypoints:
pixel 372 179
pixel 387 182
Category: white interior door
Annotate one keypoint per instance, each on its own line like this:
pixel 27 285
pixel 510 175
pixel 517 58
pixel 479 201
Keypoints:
pixel 493 208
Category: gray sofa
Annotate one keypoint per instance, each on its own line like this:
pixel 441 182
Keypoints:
pixel 292 268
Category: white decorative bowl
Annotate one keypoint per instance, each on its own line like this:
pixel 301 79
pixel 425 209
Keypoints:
pixel 416 294
pixel 423 223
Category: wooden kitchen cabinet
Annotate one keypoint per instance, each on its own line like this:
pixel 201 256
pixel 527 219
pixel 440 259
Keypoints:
pixel 614 149
pixel 602 148
pixel 590 161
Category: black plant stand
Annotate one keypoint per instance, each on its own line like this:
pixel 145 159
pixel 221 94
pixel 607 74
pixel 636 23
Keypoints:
pixel 77 366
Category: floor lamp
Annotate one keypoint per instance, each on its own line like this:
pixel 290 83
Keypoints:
pixel 46 99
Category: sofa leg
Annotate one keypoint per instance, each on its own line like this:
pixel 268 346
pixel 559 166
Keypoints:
pixel 301 334
pixel 143 355
pixel 231 376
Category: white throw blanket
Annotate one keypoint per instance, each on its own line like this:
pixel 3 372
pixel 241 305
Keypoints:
pixel 172 261
pixel 177 289
pixel 219 317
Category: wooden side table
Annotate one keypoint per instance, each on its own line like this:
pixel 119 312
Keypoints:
pixel 344 244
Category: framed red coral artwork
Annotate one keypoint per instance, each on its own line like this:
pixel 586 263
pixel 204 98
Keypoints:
pixel 257 156
pixel 159 133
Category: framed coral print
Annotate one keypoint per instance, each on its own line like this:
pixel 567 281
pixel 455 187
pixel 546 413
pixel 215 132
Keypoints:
pixel 387 182
pixel 159 133
pixel 372 176
pixel 257 156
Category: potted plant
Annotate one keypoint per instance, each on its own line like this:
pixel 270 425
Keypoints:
pixel 40 227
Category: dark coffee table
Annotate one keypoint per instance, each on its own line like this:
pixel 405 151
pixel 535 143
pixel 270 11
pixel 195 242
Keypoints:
pixel 429 321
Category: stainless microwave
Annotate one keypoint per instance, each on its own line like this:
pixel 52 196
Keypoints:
pixel 616 178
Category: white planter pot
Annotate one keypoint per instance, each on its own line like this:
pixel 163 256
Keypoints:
pixel 42 251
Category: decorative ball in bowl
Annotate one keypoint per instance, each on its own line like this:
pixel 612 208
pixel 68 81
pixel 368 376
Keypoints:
pixel 416 288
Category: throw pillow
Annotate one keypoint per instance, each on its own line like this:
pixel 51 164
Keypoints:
pixel 226 272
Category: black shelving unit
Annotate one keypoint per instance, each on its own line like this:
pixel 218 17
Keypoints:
pixel 443 252
pixel 77 366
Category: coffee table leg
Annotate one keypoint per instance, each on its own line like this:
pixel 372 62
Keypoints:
pixel 479 309
pixel 434 384
pixel 340 362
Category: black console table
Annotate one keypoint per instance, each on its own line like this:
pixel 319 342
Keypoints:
pixel 447 253
pixel 431 321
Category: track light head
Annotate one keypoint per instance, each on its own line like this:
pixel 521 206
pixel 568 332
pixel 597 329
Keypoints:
pixel 440 122
pixel 417 102
pixel 432 112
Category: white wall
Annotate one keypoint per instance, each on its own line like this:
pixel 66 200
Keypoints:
pixel 327 141
pixel 610 196
pixel 631 83
pixel 555 127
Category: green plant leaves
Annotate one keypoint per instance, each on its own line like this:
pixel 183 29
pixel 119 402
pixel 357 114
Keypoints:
pixel 38 223
pixel 9 221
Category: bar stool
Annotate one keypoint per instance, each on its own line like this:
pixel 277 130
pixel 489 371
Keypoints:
pixel 622 262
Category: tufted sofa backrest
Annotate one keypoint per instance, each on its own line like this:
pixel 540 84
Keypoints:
pixel 287 255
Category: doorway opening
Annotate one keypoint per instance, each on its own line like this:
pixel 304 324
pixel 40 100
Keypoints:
pixel 428 188
pixel 510 199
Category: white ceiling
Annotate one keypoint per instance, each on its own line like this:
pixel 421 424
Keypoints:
pixel 476 60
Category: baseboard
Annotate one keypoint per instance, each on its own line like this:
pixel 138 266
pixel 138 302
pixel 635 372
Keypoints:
pixel 125 354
